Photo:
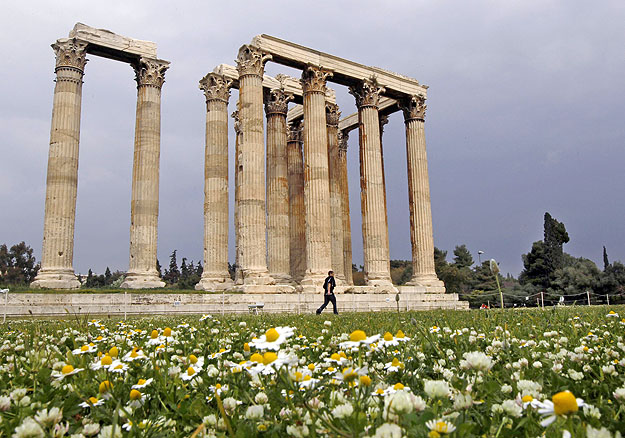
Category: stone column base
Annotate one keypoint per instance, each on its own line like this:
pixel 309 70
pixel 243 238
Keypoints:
pixel 431 283
pixel 283 279
pixel 55 279
pixel 209 283
pixel 264 289
pixel 251 277
pixel 136 280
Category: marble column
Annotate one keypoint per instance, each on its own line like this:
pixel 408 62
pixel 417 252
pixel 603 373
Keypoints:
pixel 238 278
pixel 373 199
pixel 215 275
pixel 57 271
pixel 297 210
pixel 421 235
pixel 336 233
pixel 278 237
pixel 251 179
pixel 346 222
pixel 316 179
pixel 142 273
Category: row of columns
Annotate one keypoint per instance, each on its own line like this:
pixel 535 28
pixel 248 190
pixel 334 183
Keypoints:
pixel 62 177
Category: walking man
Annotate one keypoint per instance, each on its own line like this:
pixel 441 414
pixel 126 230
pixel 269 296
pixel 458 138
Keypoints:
pixel 328 297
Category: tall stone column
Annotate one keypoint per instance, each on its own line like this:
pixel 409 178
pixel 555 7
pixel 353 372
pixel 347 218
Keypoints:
pixel 252 221
pixel 142 273
pixel 57 271
pixel 421 235
pixel 238 278
pixel 215 275
pixel 316 178
pixel 373 199
pixel 346 222
pixel 278 237
pixel 297 210
pixel 336 244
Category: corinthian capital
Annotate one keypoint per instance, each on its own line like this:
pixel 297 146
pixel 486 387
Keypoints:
pixel 332 114
pixel 367 93
pixel 70 52
pixel 216 87
pixel 343 137
pixel 277 101
pixel 314 79
pixel 150 72
pixel 413 107
pixel 251 60
pixel 295 131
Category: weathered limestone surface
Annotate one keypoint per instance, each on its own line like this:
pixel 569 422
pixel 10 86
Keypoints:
pixel 62 182
pixel 421 234
pixel 251 177
pixel 101 39
pixel 356 299
pixel 297 210
pixel 215 275
pixel 346 222
pixel 373 198
pixel 278 237
pixel 142 273
pixel 238 278
pixel 336 212
pixel 316 182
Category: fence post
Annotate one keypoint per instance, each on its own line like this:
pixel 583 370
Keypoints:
pixel 542 299
pixel 588 295
pixel 125 304
pixel 607 298
pixel 6 303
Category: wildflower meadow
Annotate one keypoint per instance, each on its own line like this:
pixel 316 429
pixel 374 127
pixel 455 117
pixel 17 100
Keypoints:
pixel 558 372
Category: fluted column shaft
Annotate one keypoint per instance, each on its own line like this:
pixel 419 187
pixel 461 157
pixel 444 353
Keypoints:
pixel 215 275
pixel 142 273
pixel 278 237
pixel 336 245
pixel 238 278
pixel 62 181
pixel 297 210
pixel 346 222
pixel 252 220
pixel 373 198
pixel 316 178
pixel 421 234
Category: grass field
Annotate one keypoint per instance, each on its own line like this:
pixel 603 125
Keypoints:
pixel 513 373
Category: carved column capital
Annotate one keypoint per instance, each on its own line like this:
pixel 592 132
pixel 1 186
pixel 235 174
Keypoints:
pixel 150 72
pixel 237 122
pixel 332 114
pixel 295 131
pixel 70 53
pixel 216 87
pixel 413 107
pixel 251 60
pixel 343 137
pixel 314 79
pixel 277 101
pixel 367 93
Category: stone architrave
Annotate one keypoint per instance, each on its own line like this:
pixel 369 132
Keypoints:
pixel 316 177
pixel 346 223
pixel 251 168
pixel 421 234
pixel 336 233
pixel 373 198
pixel 278 237
pixel 142 273
pixel 215 275
pixel 57 270
pixel 297 210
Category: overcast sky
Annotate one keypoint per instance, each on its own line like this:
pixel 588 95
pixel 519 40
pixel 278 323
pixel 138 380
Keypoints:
pixel 525 115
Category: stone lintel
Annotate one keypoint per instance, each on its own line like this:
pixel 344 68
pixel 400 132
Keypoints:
pixel 291 85
pixel 345 72
pixel 107 44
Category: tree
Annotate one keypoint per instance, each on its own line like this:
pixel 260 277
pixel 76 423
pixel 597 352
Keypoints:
pixel 172 274
pixel 17 264
pixel 107 277
pixel 555 237
pixel 535 269
pixel 577 276
pixel 463 258
pixel 159 268
pixel 199 269
pixel 606 262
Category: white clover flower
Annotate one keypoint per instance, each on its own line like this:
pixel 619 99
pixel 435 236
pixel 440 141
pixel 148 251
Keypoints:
pixel 342 411
pixel 254 412
pixel 388 430
pixel 5 403
pixel 575 375
pixel 18 393
pixel 537 364
pixel 591 411
pixel 327 323
pixel 90 429
pixel 476 360
pixel 591 432
pixel 210 420
pixel 436 388
pixel 619 394
pixel 297 431
pixel 230 404
pixel 110 431
pixel 609 370
pixel 261 398
pixel 511 408
pixel 506 389
pixel 29 429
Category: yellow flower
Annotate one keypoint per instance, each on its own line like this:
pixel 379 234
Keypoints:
pixel 135 395
pixel 335 356
pixel 114 352
pixel 154 334
pixel 167 332
pixel 527 398
pixel 256 357
pixel 67 369
pixel 84 348
pixel 269 357
pixel 400 334
pixel 106 360
pixel 398 386
pixel 141 381
pixel 311 367
pixel 357 335
pixel 93 400
pixel 190 371
pixel 365 380
pixel 105 386
pixel 388 336
pixel 564 403
pixel 246 347
pixel 395 362
pixel 193 358
pixel 272 335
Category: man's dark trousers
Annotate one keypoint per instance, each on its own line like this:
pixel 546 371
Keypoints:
pixel 328 298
